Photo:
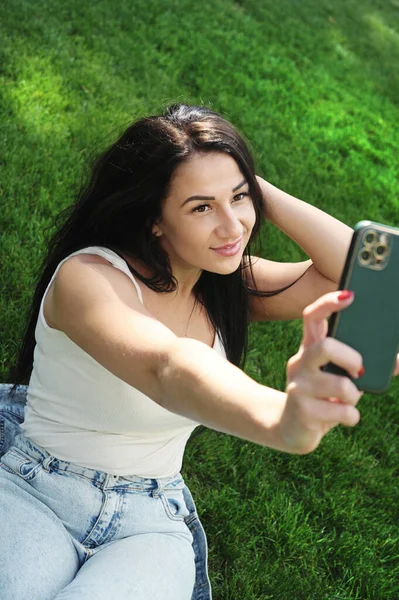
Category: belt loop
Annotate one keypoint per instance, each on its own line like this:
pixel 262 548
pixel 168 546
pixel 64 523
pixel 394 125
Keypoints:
pixel 47 462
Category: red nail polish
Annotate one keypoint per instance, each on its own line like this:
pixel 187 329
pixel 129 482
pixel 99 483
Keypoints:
pixel 345 295
pixel 361 372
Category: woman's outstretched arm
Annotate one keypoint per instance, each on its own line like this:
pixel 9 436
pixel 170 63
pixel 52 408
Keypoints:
pixel 200 385
pixel 97 307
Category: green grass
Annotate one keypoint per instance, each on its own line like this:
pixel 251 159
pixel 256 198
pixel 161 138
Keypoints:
pixel 314 86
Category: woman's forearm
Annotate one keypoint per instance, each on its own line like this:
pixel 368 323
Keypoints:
pixel 325 239
pixel 197 383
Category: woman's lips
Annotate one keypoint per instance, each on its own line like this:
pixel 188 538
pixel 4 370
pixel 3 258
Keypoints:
pixel 230 251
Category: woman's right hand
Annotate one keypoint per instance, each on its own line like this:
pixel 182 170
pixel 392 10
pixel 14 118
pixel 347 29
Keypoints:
pixel 318 401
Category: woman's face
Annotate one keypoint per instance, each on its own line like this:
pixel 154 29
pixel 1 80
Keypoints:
pixel 192 229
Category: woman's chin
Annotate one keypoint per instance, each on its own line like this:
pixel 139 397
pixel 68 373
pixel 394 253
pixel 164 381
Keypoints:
pixel 229 267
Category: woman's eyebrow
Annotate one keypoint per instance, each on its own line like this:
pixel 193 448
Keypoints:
pixel 243 182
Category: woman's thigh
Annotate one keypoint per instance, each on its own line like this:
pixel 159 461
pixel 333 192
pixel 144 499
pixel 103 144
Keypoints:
pixel 153 557
pixel 37 556
pixel 156 566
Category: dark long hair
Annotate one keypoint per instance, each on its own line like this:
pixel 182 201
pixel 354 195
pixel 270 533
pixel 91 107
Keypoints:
pixel 122 201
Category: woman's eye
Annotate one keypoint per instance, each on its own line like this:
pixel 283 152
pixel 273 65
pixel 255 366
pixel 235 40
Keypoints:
pixel 202 207
pixel 198 208
pixel 241 195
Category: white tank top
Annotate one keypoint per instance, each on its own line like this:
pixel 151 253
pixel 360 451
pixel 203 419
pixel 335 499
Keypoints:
pixel 80 412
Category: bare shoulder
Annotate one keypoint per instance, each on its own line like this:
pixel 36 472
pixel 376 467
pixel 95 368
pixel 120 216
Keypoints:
pixel 97 279
pixel 90 275
pixel 97 306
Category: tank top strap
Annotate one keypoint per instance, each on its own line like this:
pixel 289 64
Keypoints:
pixel 110 256
pixel 121 264
pixel 116 261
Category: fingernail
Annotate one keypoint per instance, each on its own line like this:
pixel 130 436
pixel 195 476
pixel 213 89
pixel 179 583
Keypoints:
pixel 345 295
pixel 361 372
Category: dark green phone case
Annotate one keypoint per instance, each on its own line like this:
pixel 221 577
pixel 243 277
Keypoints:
pixel 371 323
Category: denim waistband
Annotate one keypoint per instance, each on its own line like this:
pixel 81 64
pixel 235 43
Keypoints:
pixel 99 478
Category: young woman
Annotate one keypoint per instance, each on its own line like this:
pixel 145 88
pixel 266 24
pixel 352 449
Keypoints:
pixel 146 290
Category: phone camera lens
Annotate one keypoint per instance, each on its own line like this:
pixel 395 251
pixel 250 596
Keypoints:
pixel 369 237
pixel 380 250
pixel 365 255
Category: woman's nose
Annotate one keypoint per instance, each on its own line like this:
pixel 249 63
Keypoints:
pixel 229 226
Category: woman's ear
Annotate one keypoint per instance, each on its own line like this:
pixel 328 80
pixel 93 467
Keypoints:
pixel 156 230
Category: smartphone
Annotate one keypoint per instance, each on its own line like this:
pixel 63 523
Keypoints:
pixel 370 324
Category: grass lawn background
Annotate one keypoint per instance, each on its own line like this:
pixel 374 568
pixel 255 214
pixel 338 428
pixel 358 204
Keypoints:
pixel 314 86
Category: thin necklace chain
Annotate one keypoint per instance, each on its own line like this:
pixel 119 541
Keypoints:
pixel 191 314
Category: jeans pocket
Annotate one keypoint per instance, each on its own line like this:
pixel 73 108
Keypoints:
pixel 12 414
pixel 174 504
pixel 10 427
pixel 23 465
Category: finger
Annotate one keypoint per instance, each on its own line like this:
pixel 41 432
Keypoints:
pixel 335 351
pixel 335 388
pixel 332 413
pixel 396 371
pixel 315 316
pixel 315 411
pixel 332 399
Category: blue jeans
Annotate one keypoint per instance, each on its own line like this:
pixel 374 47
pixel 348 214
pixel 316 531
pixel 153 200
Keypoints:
pixel 68 532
